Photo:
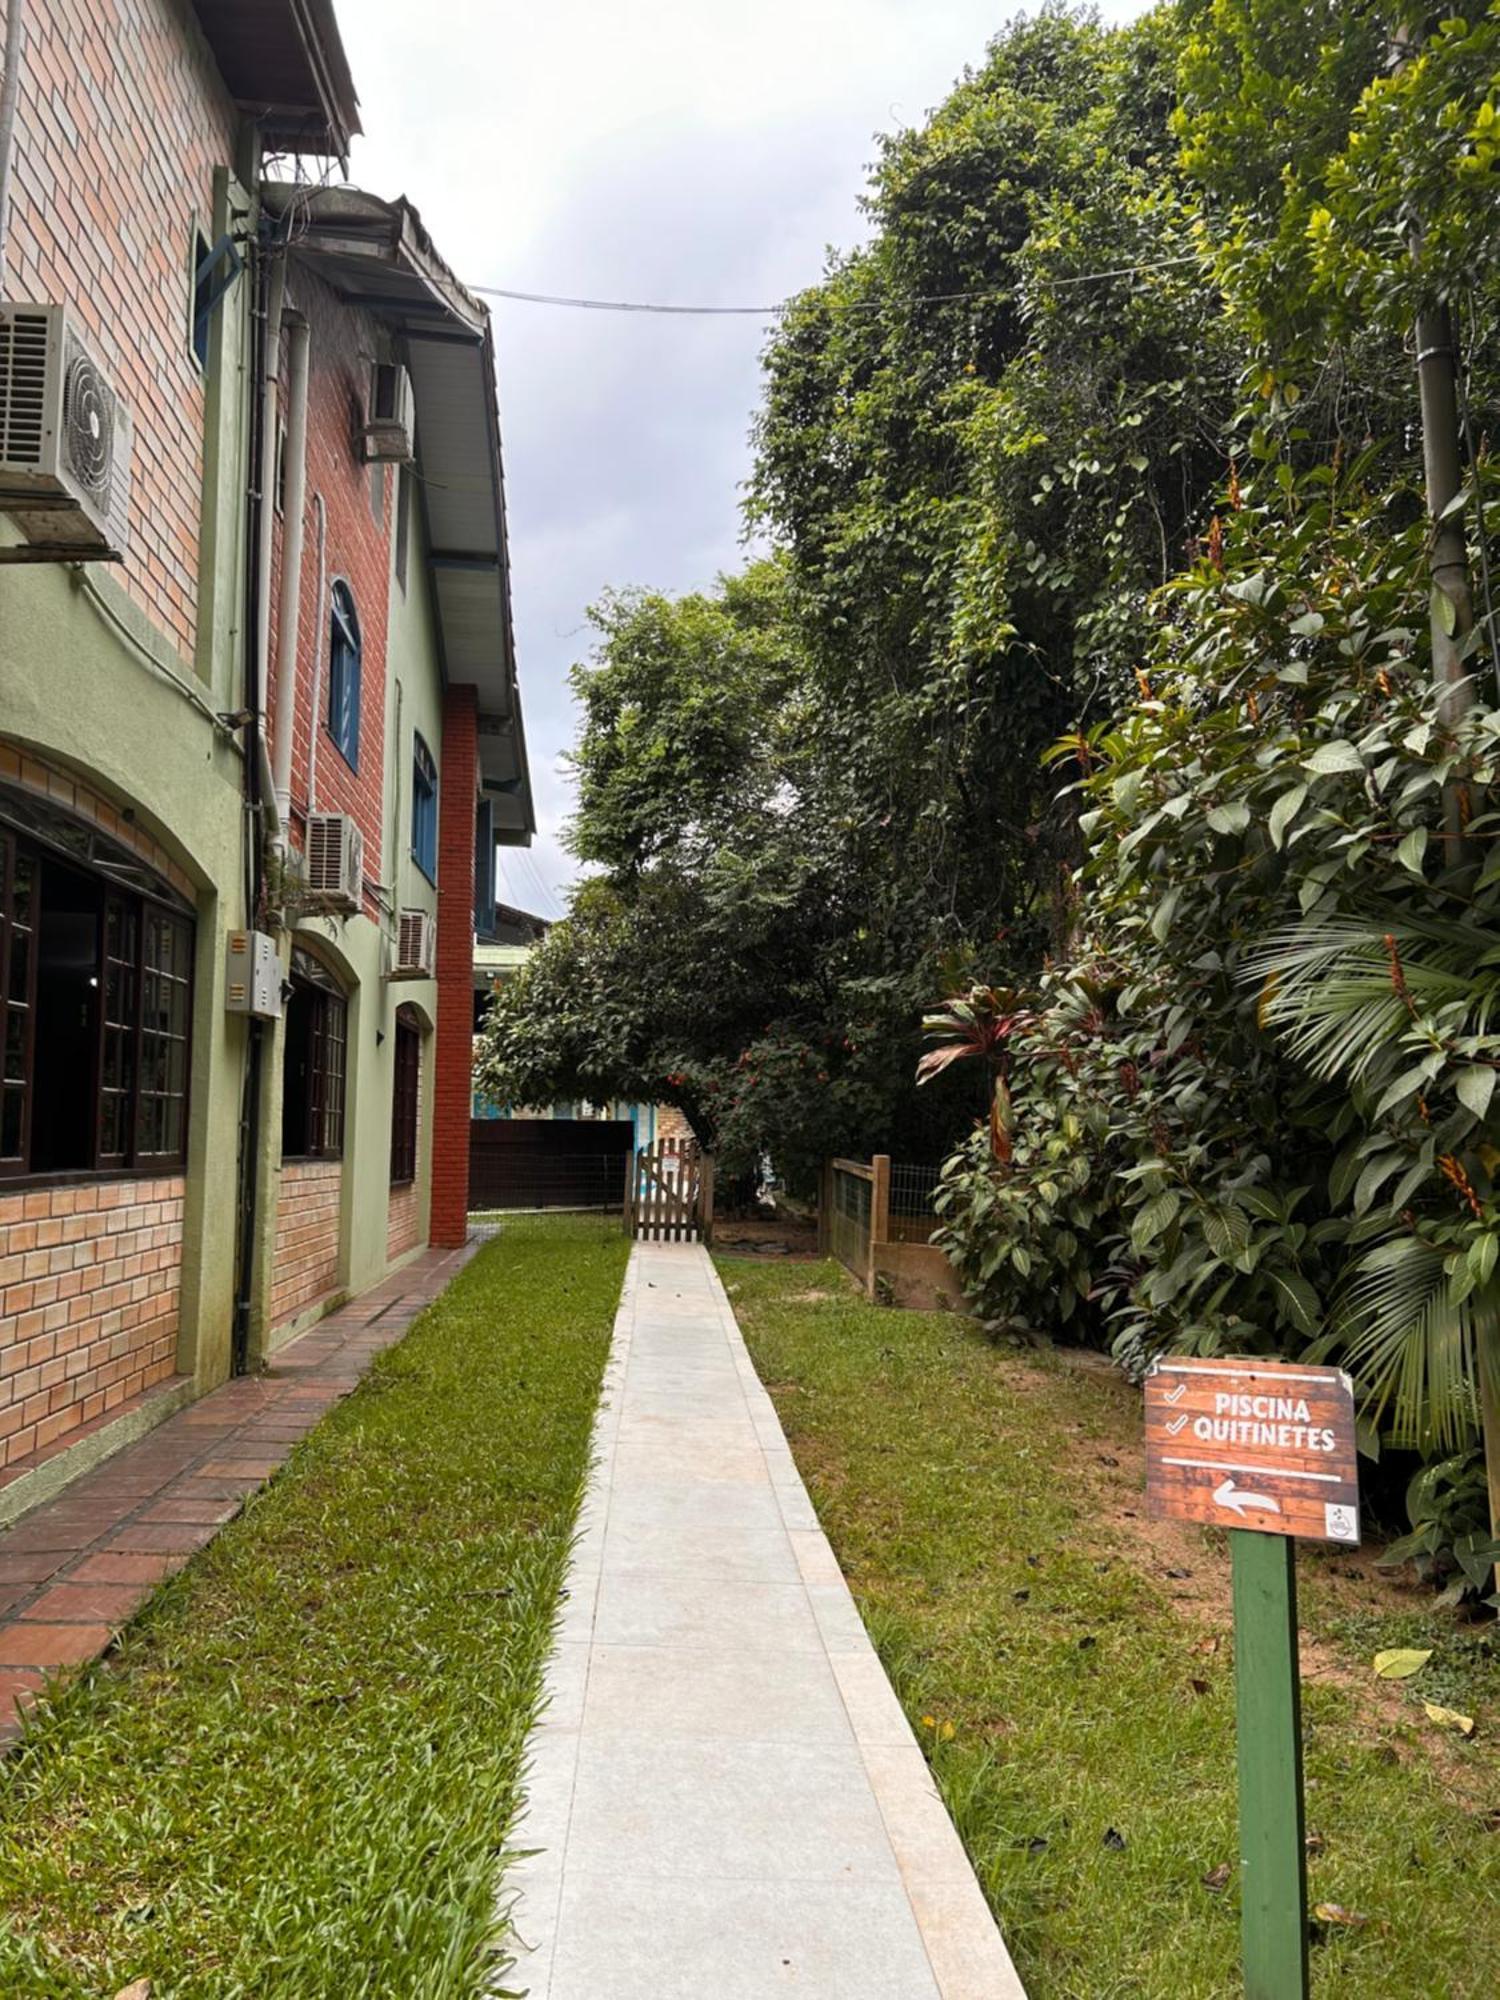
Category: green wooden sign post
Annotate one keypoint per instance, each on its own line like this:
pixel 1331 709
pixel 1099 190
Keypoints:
pixel 1268 1701
pixel 1265 1449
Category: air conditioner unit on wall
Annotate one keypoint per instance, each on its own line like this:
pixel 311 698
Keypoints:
pixel 333 863
pixel 388 434
pixel 64 438
pixel 415 952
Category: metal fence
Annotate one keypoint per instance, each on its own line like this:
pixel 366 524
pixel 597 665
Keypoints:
pixel 850 1191
pixel 912 1214
pixel 578 1180
pixel 866 1206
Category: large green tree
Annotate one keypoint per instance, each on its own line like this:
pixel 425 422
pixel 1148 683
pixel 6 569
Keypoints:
pixel 723 957
pixel 814 796
pixel 1269 1060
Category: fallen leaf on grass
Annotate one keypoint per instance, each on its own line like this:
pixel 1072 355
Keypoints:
pixel 1198 1686
pixel 138 1989
pixel 1401 1662
pixel 1335 1913
pixel 1315 1843
pixel 1208 1645
pixel 1449 1718
pixel 1217 1878
pixel 1114 1838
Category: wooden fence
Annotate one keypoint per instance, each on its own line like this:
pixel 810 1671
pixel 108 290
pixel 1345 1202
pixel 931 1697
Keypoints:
pixel 876 1218
pixel 669 1193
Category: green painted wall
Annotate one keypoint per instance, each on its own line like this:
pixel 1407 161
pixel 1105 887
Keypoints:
pixel 89 683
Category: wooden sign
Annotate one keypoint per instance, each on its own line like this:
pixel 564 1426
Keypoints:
pixel 1264 1445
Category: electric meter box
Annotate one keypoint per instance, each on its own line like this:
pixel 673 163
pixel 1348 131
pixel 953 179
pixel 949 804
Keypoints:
pixel 252 982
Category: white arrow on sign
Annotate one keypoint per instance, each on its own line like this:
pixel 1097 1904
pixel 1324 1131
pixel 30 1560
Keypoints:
pixel 1229 1495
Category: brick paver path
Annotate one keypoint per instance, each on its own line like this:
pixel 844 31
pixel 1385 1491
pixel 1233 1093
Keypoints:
pixel 74 1569
pixel 726 1799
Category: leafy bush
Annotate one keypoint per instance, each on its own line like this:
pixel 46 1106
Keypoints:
pixel 1269 1068
pixel 1448 1505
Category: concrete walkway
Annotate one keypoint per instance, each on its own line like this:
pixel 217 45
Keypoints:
pixel 725 1795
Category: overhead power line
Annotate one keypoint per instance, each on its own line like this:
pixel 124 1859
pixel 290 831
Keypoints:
pixel 832 305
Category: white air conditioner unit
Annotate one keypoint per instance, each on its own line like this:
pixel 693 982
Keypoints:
pixel 64 438
pixel 333 862
pixel 389 431
pixel 415 952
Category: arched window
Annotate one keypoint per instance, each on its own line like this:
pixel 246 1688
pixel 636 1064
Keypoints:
pixel 343 675
pixel 406 1097
pixel 424 809
pixel 316 1036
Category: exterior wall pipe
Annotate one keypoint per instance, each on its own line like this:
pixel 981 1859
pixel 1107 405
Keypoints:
pixel 260 801
pixel 319 622
pixel 289 621
pixel 10 90
pixel 266 509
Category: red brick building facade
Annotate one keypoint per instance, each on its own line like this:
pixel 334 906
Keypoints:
pixel 185 1184
pixel 350 513
pixel 124 121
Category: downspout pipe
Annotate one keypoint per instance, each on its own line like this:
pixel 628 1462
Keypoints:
pixel 270 385
pixel 320 626
pixel 10 91
pixel 289 622
pixel 260 806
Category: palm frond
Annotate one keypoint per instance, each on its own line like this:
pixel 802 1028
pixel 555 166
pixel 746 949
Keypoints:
pixel 1416 1345
pixel 1345 992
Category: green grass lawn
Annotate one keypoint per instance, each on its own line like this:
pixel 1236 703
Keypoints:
pixel 294 1778
pixel 1068 1666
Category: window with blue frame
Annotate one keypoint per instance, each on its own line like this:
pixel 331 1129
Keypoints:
pixel 424 809
pixel 344 675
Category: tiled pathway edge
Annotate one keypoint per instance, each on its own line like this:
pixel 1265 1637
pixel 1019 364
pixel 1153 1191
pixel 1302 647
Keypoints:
pixel 75 1568
pixel 725 1797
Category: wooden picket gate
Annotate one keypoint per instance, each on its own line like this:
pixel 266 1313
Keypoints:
pixel 669 1193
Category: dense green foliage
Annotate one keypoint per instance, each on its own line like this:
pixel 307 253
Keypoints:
pixel 1108 439
pixel 724 959
pixel 1271 1045
pixel 294 1778
pixel 814 795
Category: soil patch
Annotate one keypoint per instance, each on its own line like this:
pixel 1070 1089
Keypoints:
pixel 768 1237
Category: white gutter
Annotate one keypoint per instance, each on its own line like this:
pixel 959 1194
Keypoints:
pixel 319 628
pixel 10 87
pixel 275 296
pixel 289 623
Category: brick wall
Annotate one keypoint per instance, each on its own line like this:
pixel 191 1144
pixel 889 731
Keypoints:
pixel 457 781
pixel 90 1279
pixel 357 502
pixel 121 122
pixel 403 1227
pixel 307 1237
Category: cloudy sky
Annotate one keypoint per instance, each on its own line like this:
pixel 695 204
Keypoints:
pixel 702 151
